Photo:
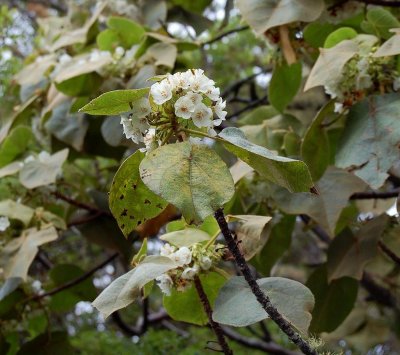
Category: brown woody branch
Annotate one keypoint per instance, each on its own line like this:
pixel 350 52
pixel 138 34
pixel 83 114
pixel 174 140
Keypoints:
pixel 261 297
pixel 389 252
pixel 224 34
pixel 371 195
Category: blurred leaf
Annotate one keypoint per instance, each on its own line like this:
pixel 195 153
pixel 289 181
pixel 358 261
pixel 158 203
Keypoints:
pixel 185 237
pixel 107 40
pixel 186 306
pixel 292 299
pixel 348 253
pixel 258 115
pixel 131 202
pixel 180 174
pixel 15 210
pixel 379 21
pixel 80 85
pixel 370 141
pixel 128 31
pixel 289 173
pixel 126 288
pixel 16 143
pixel 338 36
pixel 163 54
pixel 262 15
pixel 284 85
pixel 114 102
pixel 193 6
pixel 48 343
pixel 41 172
pixel 390 47
pixel 315 33
pixel 333 301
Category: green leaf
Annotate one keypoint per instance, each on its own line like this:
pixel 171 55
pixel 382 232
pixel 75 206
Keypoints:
pixel 262 15
pixel 379 21
pixel 258 115
pixel 284 85
pixel 65 300
pixel 371 138
pixel 48 343
pixel 292 299
pixel 141 253
pixel 107 40
pixel 335 189
pixel 330 63
pixel 185 237
pixel 333 301
pixel 289 173
pixel 18 254
pixel 193 6
pixel 315 149
pixel 126 288
pixel 191 177
pixel 339 35
pixel 128 31
pixel 252 233
pixel 131 202
pixel 186 306
pixel 114 102
pixel 42 172
pixel 15 144
pixel 315 33
pixel 80 85
pixel 16 210
pixel 348 253
pixel 278 243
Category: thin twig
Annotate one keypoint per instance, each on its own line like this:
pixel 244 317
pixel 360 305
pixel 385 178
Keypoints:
pixel 251 105
pixel 261 297
pixel 214 326
pixel 371 195
pixel 73 282
pixel 224 34
pixel 389 252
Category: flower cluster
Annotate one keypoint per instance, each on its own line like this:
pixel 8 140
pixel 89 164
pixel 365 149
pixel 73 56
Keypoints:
pixel 361 76
pixel 190 262
pixel 176 101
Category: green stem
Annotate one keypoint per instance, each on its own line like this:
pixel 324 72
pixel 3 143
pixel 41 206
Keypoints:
pixel 213 239
pixel 198 133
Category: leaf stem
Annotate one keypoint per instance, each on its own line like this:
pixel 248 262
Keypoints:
pixel 262 298
pixel 214 326
pixel 213 239
pixel 198 133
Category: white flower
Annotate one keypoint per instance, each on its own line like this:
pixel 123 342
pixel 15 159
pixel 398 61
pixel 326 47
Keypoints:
pixel 190 272
pixel 194 97
pixel 180 80
pixel 219 111
pixel 202 116
pixel 44 157
pixel 205 263
pixel 167 250
pixel 200 83
pixel 338 107
pixel 182 256
pixel 184 107
pixel 141 107
pixel 149 140
pixel 4 223
pixel 64 58
pixel 165 283
pixel 213 93
pixel 396 83
pixel 134 128
pixel 29 159
pixel 119 52
pixel 161 92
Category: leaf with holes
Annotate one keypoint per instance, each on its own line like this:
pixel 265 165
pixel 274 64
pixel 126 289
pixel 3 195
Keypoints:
pixel 289 173
pixel 370 143
pixel 262 15
pixel 126 288
pixel 131 202
pixel 292 299
pixel 191 177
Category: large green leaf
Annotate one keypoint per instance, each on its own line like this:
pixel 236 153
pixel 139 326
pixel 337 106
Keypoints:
pixel 289 173
pixel 284 84
pixel 42 172
pixel 335 189
pixel 186 306
pixel 252 233
pixel 258 115
pixel 370 143
pixel 339 35
pixel 191 177
pixel 131 202
pixel 348 253
pixel 114 102
pixel 15 144
pixel 315 148
pixel 262 15
pixel 333 301
pixel 126 288
pixel 185 237
pixel 379 21
pixel 129 32
pixel 237 306
pixel 315 33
